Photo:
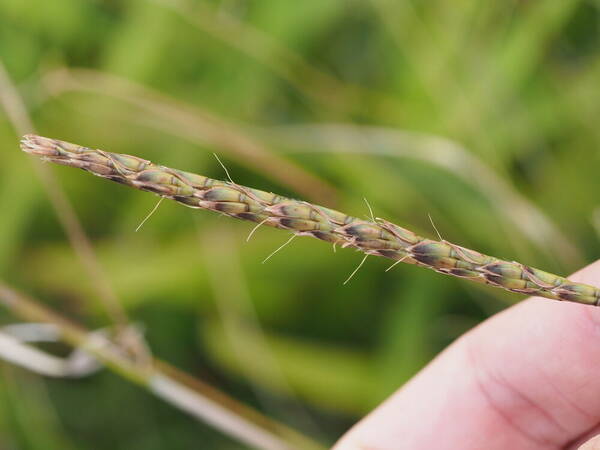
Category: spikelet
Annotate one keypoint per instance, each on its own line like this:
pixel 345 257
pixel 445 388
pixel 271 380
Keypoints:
pixel 378 237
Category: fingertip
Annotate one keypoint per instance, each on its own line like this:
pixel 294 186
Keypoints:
pixel 592 444
pixel 525 378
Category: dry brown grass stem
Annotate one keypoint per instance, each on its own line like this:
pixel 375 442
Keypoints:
pixel 512 207
pixel 195 123
pixel 17 112
pixel 188 394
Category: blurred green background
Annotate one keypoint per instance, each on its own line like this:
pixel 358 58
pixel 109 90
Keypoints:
pixel 483 115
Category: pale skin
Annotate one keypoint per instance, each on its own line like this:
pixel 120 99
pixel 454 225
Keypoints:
pixel 528 378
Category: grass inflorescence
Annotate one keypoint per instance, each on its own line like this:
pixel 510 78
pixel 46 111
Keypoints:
pixel 373 237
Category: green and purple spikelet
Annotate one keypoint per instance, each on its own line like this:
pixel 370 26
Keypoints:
pixel 376 237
